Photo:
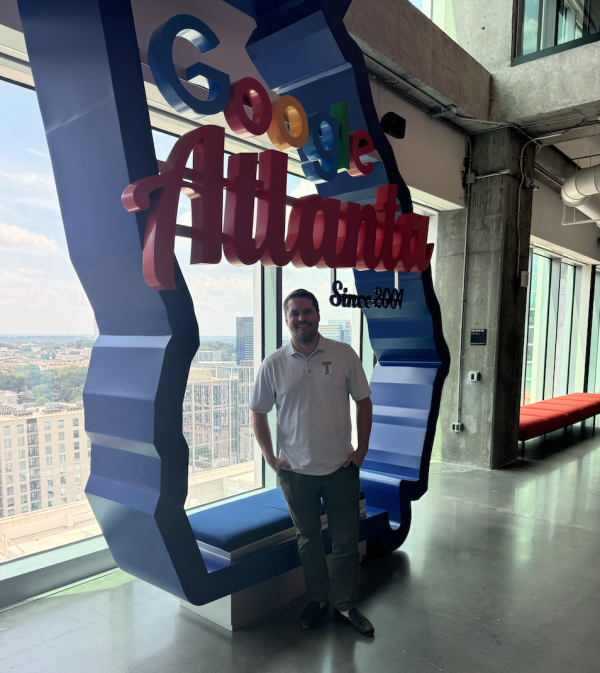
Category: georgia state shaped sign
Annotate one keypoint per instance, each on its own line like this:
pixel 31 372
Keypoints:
pixel 97 125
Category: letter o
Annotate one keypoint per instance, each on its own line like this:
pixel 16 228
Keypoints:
pixel 288 109
pixel 254 92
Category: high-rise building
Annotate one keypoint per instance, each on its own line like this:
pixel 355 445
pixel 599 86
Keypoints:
pixel 333 332
pixel 346 328
pixel 244 339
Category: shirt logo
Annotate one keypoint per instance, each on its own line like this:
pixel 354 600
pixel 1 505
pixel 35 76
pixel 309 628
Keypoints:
pixel 326 365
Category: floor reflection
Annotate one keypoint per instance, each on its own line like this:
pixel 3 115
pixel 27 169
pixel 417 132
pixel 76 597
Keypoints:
pixel 499 572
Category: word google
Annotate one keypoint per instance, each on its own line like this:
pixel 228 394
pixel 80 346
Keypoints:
pixel 320 232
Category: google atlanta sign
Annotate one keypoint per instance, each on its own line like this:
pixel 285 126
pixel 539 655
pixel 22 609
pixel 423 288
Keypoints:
pixel 321 232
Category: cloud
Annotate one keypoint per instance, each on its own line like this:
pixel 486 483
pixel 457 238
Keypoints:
pixel 31 188
pixel 185 218
pixel 218 301
pixel 37 153
pixel 29 272
pixel 305 188
pixel 18 290
pixel 18 238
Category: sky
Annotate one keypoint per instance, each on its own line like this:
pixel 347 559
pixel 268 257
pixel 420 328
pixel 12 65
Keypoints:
pixel 39 289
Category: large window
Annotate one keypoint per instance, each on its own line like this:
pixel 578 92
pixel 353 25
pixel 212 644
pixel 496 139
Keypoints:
pixel 216 412
pixel 550 357
pixel 593 382
pixel 564 330
pixel 47 456
pixel 45 345
pixel 545 24
pixel 537 329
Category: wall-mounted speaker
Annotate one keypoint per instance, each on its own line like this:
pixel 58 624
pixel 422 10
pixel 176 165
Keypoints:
pixel 394 125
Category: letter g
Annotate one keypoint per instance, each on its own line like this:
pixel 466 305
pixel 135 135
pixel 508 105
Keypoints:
pixel 160 54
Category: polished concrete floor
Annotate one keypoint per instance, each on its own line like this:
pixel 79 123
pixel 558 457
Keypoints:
pixel 501 572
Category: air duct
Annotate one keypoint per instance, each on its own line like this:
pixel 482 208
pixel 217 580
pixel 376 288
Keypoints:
pixel 582 191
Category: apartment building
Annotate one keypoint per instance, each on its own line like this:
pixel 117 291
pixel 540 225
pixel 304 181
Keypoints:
pixel 44 460
pixel 216 415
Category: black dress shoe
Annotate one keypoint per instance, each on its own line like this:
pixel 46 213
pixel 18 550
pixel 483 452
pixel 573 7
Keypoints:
pixel 312 613
pixel 357 621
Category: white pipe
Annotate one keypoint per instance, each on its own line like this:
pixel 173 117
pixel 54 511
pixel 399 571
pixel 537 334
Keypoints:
pixel 582 191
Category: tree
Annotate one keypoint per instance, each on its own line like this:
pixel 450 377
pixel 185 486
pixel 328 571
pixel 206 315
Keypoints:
pixel 40 401
pixel 66 382
pixel 76 394
pixel 43 390
pixel 10 382
pixel 84 343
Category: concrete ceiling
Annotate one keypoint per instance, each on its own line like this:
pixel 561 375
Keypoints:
pixel 581 149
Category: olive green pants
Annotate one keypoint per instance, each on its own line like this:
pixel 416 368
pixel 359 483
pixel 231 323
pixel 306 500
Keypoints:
pixel 340 491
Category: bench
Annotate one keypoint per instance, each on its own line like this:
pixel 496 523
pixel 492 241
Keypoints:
pixel 556 413
pixel 235 529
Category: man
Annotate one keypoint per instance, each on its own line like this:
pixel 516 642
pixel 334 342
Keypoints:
pixel 309 380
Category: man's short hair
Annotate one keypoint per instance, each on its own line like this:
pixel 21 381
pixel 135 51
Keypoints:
pixel 298 294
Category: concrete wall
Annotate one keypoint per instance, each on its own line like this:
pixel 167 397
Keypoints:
pixel 494 301
pixel 396 34
pixel 483 28
pixel 430 156
pixel 580 241
pixel 562 86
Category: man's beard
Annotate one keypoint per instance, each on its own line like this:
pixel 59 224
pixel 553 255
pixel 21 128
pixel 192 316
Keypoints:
pixel 304 337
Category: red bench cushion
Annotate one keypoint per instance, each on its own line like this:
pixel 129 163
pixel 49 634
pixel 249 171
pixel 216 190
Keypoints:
pixel 531 426
pixel 548 415
pixel 575 412
pixel 590 401
pixel 553 418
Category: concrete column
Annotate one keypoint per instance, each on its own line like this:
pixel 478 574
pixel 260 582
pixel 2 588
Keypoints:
pixel 495 301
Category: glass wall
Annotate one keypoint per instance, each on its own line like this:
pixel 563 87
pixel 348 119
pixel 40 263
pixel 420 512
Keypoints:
pixel 564 330
pixel 593 382
pixel 537 329
pixel 549 23
pixel 550 359
pixel 47 332
pixel 216 412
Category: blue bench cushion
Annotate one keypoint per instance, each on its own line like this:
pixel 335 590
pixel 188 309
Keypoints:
pixel 243 522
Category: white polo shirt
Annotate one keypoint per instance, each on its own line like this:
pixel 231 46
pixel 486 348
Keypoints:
pixel 313 408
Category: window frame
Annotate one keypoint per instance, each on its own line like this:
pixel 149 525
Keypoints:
pixel 519 58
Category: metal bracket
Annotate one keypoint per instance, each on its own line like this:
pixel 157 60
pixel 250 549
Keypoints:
pixel 574 221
